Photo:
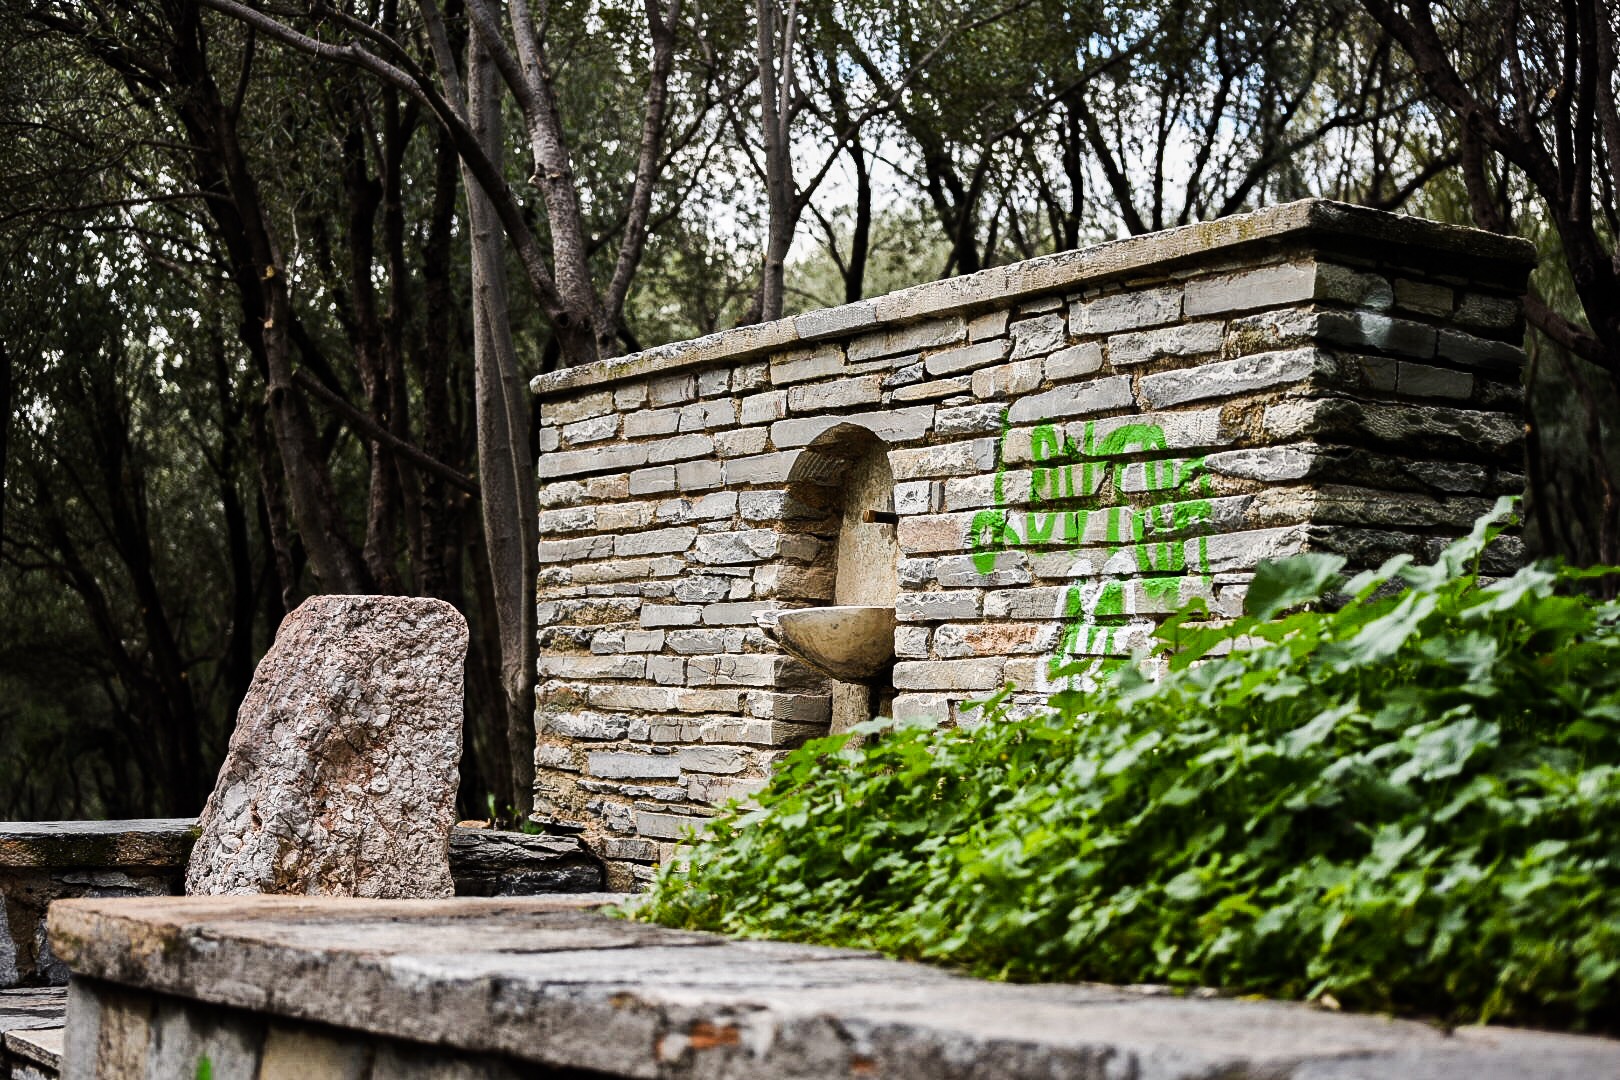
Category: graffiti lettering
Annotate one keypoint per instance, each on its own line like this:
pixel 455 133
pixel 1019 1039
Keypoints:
pixel 1142 523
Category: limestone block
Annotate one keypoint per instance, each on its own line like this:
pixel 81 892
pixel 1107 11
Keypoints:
pixel 961 458
pixel 807 364
pixel 672 389
pixel 827 321
pixel 989 325
pixel 763 408
pixel 1266 286
pixel 934 390
pixel 969 419
pixel 1076 360
pixel 897 425
pixel 652 481
pixel 760 468
pixel 652 422
pixel 700 475
pixel 656 542
pixel 967 356
pixel 1488 312
pixel 679 448
pixel 1499 356
pixel 568 551
pixel 936 606
pixel 568 410
pixel 1423 297
pixel 633 766
pixel 1346 286
pixel 933 333
pixel 724 760
pixel 836 394
pixel 667 826
pixel 1079 399
pixel 741 442
pixel 593 430
pixel 713 383
pixel 1227 377
pixel 983 673
pixel 341 774
pixel 1038 336
pixel 1009 380
pixel 1126 311
pixel 595 459
pixel 1367 330
pixel 593 667
pixel 1187 339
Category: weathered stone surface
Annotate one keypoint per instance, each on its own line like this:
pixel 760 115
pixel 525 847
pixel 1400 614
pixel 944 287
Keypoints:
pixel 488 862
pixel 545 983
pixel 130 842
pixel 32 1008
pixel 341 774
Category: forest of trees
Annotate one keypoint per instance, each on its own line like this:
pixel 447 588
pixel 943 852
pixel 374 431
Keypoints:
pixel 277 273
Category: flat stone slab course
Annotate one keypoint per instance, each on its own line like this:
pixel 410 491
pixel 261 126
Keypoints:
pixel 44 861
pixel 548 981
pixel 141 843
pixel 31 1032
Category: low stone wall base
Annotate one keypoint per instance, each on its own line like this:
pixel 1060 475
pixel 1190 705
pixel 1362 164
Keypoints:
pixel 266 987
pixel 115 1032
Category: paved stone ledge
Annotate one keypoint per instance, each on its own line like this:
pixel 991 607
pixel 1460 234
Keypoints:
pixel 1354 227
pixel 43 861
pixel 546 981
pixel 128 842
pixel 31 1032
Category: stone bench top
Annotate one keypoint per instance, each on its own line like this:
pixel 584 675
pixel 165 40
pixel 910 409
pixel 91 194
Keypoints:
pixel 123 842
pixel 548 980
pixel 166 842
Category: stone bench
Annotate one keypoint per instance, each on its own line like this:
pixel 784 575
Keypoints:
pixel 317 987
pixel 42 861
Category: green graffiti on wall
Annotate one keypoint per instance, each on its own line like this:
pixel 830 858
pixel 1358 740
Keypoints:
pixel 1105 493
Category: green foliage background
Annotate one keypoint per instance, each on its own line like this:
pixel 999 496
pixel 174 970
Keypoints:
pixel 1410 803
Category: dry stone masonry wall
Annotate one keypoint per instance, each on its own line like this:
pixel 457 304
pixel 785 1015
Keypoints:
pixel 1079 445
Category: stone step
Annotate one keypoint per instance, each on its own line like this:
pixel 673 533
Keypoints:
pixel 31 1032
pixel 36 1053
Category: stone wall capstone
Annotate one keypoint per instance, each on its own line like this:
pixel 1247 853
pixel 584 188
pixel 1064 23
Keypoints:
pixel 1079 444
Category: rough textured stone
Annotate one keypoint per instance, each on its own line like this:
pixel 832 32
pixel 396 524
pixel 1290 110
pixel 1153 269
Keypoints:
pixel 488 862
pixel 341 774
pixel 541 982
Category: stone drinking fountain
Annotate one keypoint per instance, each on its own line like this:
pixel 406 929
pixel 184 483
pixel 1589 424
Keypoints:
pixel 852 640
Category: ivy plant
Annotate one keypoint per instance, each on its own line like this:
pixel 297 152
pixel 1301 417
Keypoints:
pixel 1394 791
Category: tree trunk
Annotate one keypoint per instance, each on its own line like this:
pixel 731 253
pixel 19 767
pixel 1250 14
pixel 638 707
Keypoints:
pixel 505 479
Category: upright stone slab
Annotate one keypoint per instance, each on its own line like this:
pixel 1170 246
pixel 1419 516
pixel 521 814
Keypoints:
pixel 341 774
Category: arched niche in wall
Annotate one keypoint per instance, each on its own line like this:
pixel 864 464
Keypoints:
pixel 844 474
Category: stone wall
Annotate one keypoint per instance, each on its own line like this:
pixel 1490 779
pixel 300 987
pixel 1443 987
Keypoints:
pixel 1079 444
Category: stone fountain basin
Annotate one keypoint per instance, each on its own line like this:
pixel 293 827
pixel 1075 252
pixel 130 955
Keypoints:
pixel 851 643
